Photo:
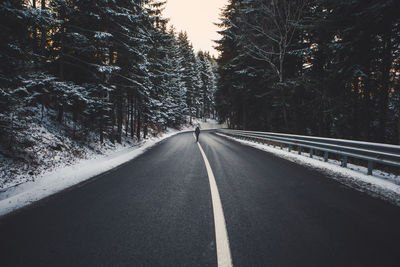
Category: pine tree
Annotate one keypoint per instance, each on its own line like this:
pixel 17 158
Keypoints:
pixel 208 82
pixel 190 75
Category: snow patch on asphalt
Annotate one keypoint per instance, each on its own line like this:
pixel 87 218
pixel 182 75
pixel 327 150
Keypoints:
pixel 380 184
pixel 61 178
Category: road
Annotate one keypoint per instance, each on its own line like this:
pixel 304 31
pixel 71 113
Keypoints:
pixel 157 210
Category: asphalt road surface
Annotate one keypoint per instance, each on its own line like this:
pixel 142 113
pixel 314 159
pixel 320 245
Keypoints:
pixel 157 210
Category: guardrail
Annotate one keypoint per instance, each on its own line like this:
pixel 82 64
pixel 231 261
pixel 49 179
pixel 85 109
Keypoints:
pixel 373 153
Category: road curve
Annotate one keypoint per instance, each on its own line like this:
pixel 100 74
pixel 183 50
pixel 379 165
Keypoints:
pixel 156 210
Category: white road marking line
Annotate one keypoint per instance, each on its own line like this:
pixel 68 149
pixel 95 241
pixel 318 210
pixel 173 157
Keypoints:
pixel 194 136
pixel 221 235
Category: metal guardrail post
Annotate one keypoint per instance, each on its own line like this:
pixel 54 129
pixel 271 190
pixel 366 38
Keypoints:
pixel 311 153
pixel 326 156
pixel 290 148
pixel 370 167
pixel 299 148
pixel 344 161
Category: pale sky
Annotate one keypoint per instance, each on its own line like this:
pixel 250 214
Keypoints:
pixel 196 17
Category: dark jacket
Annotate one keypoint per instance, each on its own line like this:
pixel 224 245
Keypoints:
pixel 197 131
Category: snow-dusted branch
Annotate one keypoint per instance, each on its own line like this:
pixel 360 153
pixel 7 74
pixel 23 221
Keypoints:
pixel 269 30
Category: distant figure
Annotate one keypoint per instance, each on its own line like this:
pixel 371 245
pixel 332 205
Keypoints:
pixel 197 132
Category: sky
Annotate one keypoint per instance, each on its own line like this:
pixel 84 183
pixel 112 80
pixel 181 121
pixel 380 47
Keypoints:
pixel 196 17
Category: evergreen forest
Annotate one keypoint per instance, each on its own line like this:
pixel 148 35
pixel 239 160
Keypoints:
pixel 106 67
pixel 313 67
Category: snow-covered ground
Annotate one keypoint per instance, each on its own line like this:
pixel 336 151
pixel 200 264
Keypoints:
pixel 54 161
pixel 380 184
pixel 50 182
pixel 211 124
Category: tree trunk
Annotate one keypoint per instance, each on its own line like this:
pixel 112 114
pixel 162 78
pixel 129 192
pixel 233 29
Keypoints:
pixel 132 121
pixel 398 130
pixel 145 129
pixel 244 117
pixel 127 116
pixel 367 110
pixel 138 122
pixel 61 60
pixel 284 110
pixel 101 131
pixel 384 93
pixel 281 59
pixel 10 144
pixel 119 118
pixel 35 34
pixel 190 114
pixel 281 77
pixel 112 137
pixel 354 117
pixel 43 37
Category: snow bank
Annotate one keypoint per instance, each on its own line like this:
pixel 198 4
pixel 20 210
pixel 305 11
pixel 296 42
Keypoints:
pixel 380 184
pixel 62 178
pixel 209 124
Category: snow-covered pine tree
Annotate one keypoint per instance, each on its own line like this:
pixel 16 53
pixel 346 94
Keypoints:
pixel 208 81
pixel 19 61
pixel 84 57
pixel 13 39
pixel 190 76
pixel 174 101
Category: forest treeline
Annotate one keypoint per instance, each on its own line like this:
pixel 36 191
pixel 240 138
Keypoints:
pixel 316 67
pixel 109 67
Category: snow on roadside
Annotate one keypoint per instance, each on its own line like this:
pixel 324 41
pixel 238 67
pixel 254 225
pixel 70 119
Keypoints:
pixel 61 178
pixel 211 124
pixel 208 124
pixel 380 184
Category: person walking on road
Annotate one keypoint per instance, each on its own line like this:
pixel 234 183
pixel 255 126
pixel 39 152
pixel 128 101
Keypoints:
pixel 197 132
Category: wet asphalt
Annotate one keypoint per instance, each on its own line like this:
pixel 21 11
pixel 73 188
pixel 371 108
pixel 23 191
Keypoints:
pixel 156 210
